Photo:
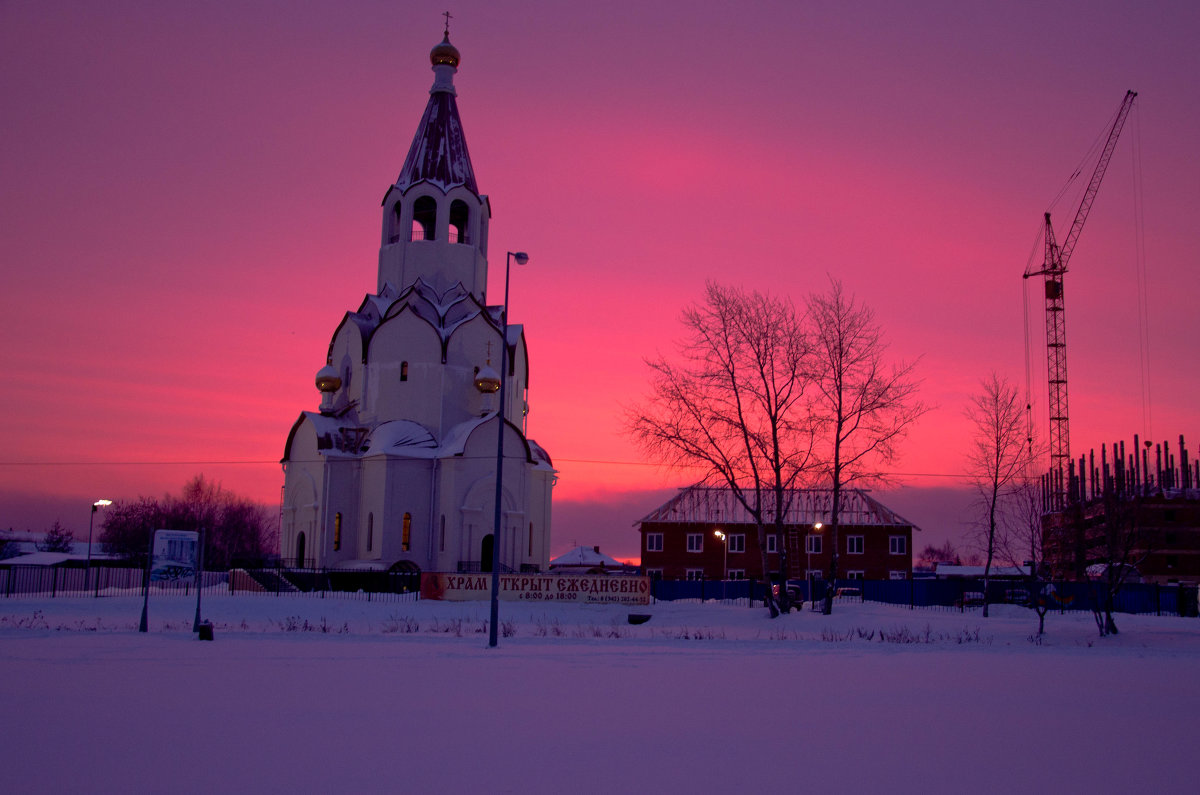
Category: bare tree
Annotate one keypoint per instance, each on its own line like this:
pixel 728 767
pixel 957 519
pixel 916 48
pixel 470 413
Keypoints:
pixel 1117 545
pixel 734 405
pixel 865 406
pixel 998 461
pixel 1027 545
pixel 236 529
pixel 946 553
pixel 57 539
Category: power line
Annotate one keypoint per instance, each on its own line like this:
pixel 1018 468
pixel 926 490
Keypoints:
pixel 276 462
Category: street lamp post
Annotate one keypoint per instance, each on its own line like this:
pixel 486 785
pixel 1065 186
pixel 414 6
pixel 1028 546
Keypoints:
pixel 521 257
pixel 808 574
pixel 97 505
pixel 724 540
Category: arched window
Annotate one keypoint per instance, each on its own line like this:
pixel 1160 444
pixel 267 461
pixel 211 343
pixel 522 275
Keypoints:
pixel 406 533
pixel 403 371
pixel 424 218
pixel 337 531
pixel 459 216
pixel 370 531
pixel 394 232
pixel 442 536
pixel 300 549
pixel 531 539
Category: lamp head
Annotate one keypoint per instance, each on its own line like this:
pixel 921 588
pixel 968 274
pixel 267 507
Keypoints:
pixel 719 534
pixel 100 504
pixel 520 256
pixel 818 526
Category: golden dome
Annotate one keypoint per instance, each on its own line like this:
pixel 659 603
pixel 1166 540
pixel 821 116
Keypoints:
pixel 487 380
pixel 445 53
pixel 328 379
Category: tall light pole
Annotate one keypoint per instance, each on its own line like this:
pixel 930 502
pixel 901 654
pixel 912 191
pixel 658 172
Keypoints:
pixel 724 540
pixel 808 572
pixel 521 257
pixel 97 505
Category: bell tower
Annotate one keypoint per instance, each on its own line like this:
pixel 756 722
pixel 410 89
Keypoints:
pixel 435 221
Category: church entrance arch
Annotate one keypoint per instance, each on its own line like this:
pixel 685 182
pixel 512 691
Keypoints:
pixel 486 552
pixel 300 549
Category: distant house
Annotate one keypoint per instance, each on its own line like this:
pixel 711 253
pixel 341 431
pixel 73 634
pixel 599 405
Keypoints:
pixel 586 560
pixel 948 571
pixel 705 533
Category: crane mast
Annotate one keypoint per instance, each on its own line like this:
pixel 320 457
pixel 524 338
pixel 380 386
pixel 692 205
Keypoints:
pixel 1053 268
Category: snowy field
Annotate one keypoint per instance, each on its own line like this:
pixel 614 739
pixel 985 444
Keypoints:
pixel 311 695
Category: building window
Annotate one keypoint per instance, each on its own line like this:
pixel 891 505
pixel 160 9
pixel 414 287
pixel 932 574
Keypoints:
pixel 459 216
pixel 855 575
pixel 370 530
pixel 424 218
pixel 403 371
pixel 854 545
pixel 812 544
pixel 406 533
pixel 737 542
pixel 531 539
pixel 772 543
pixel 654 574
pixel 654 542
pixel 695 574
pixel 736 574
pixel 695 542
pixel 337 531
pixel 442 536
pixel 815 574
pixel 897 575
pixel 897 545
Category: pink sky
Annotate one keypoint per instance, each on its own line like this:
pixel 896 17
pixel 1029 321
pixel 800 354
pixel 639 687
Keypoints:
pixel 191 196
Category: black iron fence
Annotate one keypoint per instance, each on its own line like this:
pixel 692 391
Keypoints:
pixel 55 581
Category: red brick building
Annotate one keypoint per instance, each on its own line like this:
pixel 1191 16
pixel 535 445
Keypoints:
pixel 704 533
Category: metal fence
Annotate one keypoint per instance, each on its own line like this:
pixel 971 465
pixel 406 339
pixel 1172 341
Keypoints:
pixel 958 595
pixel 52 581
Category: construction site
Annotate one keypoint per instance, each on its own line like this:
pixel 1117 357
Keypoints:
pixel 1129 514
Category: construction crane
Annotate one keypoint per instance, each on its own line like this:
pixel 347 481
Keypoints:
pixel 1054 267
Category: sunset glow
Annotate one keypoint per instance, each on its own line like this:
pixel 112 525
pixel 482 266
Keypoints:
pixel 191 197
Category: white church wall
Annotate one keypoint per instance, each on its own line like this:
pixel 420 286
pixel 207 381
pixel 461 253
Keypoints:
pixel 404 339
pixel 345 356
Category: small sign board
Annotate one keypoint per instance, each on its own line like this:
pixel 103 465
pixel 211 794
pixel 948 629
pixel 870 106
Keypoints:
pixel 565 588
pixel 176 554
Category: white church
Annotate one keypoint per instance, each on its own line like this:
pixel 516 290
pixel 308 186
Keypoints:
pixel 397 468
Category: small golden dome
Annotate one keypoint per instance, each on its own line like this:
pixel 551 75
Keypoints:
pixel 487 380
pixel 445 53
pixel 328 379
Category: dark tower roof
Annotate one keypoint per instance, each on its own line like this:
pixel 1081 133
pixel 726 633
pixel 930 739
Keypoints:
pixel 439 150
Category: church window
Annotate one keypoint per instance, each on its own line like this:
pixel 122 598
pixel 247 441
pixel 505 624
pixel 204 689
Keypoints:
pixel 459 215
pixel 406 533
pixel 424 218
pixel 394 232
pixel 442 536
pixel 531 539
pixel 337 531
pixel 403 371
pixel 370 531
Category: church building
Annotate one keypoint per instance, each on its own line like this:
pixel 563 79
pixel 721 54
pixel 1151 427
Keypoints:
pixel 397 468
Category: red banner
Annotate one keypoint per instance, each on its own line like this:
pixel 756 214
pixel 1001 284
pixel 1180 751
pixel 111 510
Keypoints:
pixel 577 588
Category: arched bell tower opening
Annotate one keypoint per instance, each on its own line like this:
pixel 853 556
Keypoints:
pixel 424 223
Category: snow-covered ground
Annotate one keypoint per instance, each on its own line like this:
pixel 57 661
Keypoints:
pixel 300 694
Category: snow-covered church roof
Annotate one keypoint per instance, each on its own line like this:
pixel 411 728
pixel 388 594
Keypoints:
pixel 439 150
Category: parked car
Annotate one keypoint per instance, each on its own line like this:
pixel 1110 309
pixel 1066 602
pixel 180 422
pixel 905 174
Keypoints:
pixel 970 599
pixel 1017 596
pixel 848 592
